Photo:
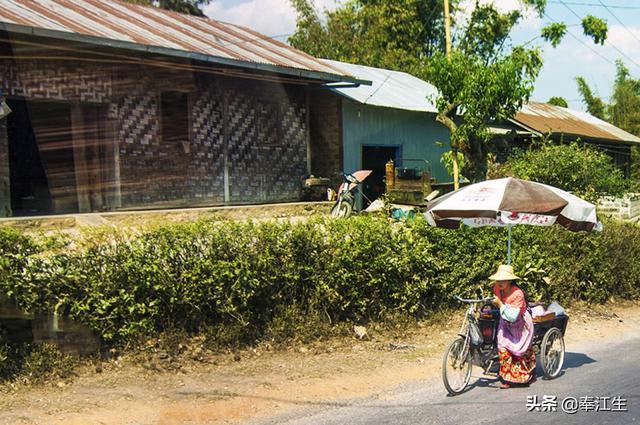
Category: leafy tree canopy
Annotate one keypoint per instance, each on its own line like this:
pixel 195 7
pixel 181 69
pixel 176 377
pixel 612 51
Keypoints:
pixel 558 101
pixel 583 170
pixel 398 35
pixel 190 7
pixel 623 111
pixel 486 78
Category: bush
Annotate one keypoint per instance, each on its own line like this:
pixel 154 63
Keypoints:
pixel 242 282
pixel 583 170
pixel 34 362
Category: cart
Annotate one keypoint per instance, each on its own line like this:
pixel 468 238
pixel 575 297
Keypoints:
pixel 476 344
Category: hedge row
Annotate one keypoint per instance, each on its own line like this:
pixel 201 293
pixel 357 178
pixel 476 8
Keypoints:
pixel 244 279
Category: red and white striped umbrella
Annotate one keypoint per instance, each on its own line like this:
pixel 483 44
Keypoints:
pixel 507 202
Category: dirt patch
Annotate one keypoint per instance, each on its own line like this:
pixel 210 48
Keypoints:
pixel 265 382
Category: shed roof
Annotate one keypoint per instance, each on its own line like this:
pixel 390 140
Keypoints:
pixel 545 118
pixel 118 24
pixel 389 89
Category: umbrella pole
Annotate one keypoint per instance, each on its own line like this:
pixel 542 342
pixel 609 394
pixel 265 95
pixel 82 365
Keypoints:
pixel 509 245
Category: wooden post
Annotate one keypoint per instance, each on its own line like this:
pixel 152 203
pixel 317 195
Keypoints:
pixel 447 28
pixel 5 179
pixel 308 123
pixel 79 142
pixel 95 159
pixel 225 145
pixel 454 150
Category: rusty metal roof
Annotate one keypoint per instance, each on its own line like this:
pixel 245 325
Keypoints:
pixel 545 118
pixel 149 26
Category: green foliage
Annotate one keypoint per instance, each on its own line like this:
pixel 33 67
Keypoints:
pixel 486 92
pixel 558 101
pixel 623 111
pixel 447 160
pixel 595 105
pixel 554 33
pixel 595 28
pixel 583 170
pixel 395 35
pixel 242 282
pixel 190 7
pixel 487 77
pixel 34 362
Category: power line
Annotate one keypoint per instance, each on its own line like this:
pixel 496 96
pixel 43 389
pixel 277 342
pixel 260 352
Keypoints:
pixel 608 42
pixel 619 21
pixel 583 43
pixel 578 3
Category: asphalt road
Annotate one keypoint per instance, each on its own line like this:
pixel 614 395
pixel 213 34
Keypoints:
pixel 594 369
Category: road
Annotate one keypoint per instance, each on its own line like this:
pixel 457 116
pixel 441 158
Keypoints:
pixel 598 368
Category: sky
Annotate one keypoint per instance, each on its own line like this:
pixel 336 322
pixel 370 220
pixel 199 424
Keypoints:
pixel 575 56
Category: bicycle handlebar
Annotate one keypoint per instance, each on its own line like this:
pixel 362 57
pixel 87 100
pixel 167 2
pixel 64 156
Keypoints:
pixel 482 300
pixel 350 178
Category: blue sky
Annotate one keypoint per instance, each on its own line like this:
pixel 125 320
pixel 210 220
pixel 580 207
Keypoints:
pixel 574 57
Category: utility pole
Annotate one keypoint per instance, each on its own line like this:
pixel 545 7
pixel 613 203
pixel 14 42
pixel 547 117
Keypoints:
pixel 454 148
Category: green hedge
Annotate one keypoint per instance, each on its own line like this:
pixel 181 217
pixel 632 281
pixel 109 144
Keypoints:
pixel 243 280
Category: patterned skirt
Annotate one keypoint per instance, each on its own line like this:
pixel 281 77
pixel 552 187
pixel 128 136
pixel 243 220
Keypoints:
pixel 518 370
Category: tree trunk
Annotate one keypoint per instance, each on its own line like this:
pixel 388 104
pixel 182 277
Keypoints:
pixel 448 122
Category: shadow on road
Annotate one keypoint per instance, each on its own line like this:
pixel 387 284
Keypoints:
pixel 574 360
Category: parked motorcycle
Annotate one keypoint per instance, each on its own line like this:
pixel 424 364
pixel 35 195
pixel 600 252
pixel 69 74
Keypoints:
pixel 345 202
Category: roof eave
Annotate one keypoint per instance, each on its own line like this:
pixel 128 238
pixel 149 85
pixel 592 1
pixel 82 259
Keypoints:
pixel 119 44
pixel 582 136
pixel 398 108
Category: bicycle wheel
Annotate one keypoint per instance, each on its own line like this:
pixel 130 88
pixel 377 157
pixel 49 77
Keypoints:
pixel 456 371
pixel 552 353
pixel 341 209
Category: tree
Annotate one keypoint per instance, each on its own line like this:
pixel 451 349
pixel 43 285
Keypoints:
pixel 190 7
pixel 583 170
pixel 595 105
pixel 485 79
pixel 623 111
pixel 558 101
pixel 398 35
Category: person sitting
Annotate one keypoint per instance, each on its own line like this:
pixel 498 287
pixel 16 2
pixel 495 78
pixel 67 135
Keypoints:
pixel 515 330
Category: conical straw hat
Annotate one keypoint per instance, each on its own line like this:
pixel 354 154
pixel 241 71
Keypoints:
pixel 504 272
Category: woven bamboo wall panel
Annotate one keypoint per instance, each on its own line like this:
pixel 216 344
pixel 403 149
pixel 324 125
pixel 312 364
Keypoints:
pixel 57 81
pixel 206 168
pixel 267 147
pixel 261 126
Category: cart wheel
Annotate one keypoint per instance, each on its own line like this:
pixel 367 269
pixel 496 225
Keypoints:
pixel 341 209
pixel 456 370
pixel 552 353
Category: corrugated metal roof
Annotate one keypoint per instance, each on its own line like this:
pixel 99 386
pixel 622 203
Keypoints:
pixel 389 89
pixel 115 20
pixel 546 118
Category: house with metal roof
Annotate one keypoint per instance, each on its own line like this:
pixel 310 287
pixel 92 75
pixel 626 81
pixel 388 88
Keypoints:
pixel 363 127
pixel 119 106
pixel 539 120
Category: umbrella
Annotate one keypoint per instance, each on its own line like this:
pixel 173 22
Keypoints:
pixel 508 202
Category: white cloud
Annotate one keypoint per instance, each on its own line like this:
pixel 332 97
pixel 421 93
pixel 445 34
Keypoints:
pixel 627 40
pixel 269 17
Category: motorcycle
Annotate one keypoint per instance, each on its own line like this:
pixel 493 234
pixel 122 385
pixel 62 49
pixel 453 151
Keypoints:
pixel 346 199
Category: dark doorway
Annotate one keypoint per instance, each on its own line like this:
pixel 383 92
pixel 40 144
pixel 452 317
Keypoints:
pixel 375 158
pixel 41 158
